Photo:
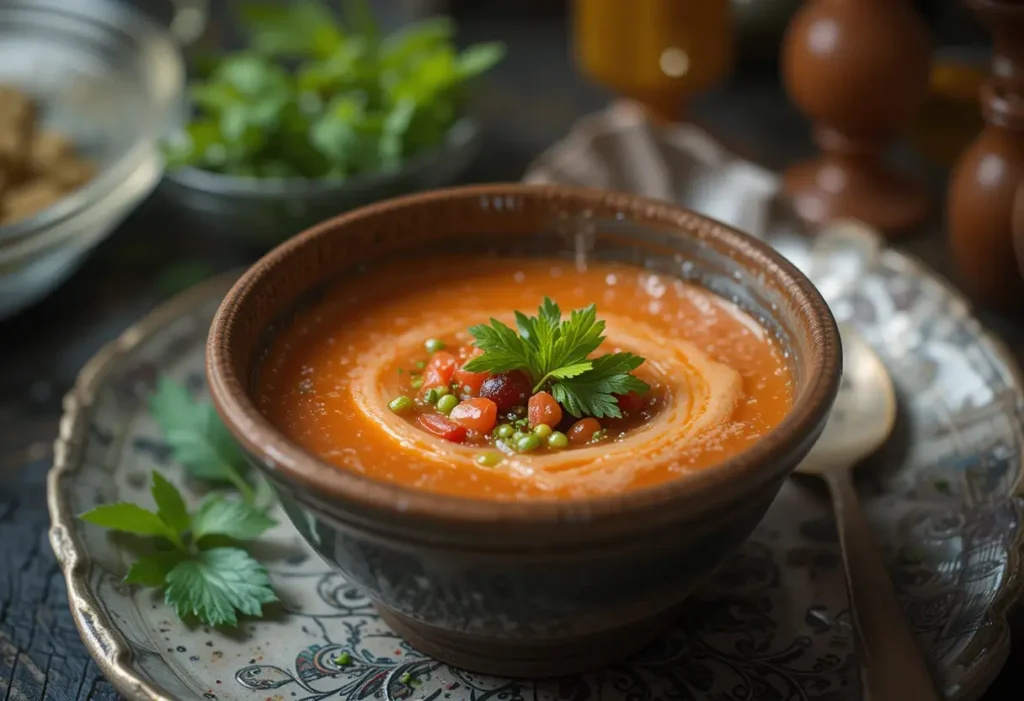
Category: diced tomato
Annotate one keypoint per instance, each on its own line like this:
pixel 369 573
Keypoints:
pixel 470 382
pixel 439 370
pixel 477 414
pixel 583 430
pixel 441 426
pixel 467 353
pixel 631 402
pixel 543 409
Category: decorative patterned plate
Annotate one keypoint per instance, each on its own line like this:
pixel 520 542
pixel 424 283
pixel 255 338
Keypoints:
pixel 772 625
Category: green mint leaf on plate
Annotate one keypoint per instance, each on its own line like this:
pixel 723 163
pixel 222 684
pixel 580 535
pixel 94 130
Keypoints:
pixel 170 507
pixel 129 518
pixel 151 570
pixel 197 437
pixel 218 584
pixel 200 578
pixel 229 518
pixel 593 393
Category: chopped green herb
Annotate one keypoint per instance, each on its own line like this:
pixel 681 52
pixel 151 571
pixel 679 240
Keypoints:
pixel 416 382
pixel 400 404
pixel 598 435
pixel 420 365
pixel 343 659
pixel 405 678
pixel 433 345
pixel 446 403
pixel 401 371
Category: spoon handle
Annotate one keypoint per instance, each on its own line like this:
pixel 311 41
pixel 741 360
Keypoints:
pixel 893 668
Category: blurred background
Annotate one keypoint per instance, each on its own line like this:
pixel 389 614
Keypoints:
pixel 163 242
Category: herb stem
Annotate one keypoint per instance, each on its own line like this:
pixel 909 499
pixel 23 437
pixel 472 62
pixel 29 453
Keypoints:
pixel 240 483
pixel 540 384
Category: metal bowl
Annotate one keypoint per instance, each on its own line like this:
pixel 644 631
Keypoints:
pixel 112 81
pixel 265 211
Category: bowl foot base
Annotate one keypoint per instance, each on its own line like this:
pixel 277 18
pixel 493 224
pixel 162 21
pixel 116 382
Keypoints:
pixel 532 659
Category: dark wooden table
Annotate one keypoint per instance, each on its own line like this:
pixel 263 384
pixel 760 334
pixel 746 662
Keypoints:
pixel 534 98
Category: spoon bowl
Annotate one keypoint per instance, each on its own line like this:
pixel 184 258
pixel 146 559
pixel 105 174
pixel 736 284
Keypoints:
pixel 864 412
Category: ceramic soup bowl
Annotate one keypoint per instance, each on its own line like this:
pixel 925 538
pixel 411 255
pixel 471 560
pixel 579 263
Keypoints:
pixel 527 588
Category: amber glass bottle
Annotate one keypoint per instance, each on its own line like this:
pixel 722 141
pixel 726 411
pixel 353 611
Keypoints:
pixel 657 52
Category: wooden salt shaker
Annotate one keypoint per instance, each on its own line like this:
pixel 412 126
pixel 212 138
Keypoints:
pixel 985 181
pixel 859 70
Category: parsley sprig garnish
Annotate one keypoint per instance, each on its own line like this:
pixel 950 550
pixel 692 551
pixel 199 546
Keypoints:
pixel 196 559
pixel 556 353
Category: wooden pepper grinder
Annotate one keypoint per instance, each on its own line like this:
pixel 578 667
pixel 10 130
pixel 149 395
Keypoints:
pixel 859 70
pixel 985 181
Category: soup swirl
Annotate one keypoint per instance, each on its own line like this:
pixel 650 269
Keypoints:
pixel 374 379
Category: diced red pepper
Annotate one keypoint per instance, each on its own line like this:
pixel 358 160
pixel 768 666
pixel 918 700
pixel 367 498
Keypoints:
pixel 631 402
pixel 439 370
pixel 441 426
pixel 477 414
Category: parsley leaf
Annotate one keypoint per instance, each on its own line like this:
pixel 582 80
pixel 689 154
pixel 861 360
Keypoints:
pixel 557 352
pixel 198 438
pixel 503 349
pixel 593 392
pixel 200 578
pixel 217 583
pixel 229 518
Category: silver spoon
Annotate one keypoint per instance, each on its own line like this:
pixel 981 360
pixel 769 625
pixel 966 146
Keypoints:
pixel 892 666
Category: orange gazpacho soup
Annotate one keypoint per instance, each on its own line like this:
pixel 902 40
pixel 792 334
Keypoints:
pixel 511 379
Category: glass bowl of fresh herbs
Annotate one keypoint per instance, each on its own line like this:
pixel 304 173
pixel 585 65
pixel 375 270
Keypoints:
pixel 320 114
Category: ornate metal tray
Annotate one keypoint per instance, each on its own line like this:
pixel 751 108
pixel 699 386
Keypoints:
pixel 774 622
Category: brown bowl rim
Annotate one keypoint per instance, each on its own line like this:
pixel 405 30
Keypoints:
pixel 332 484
